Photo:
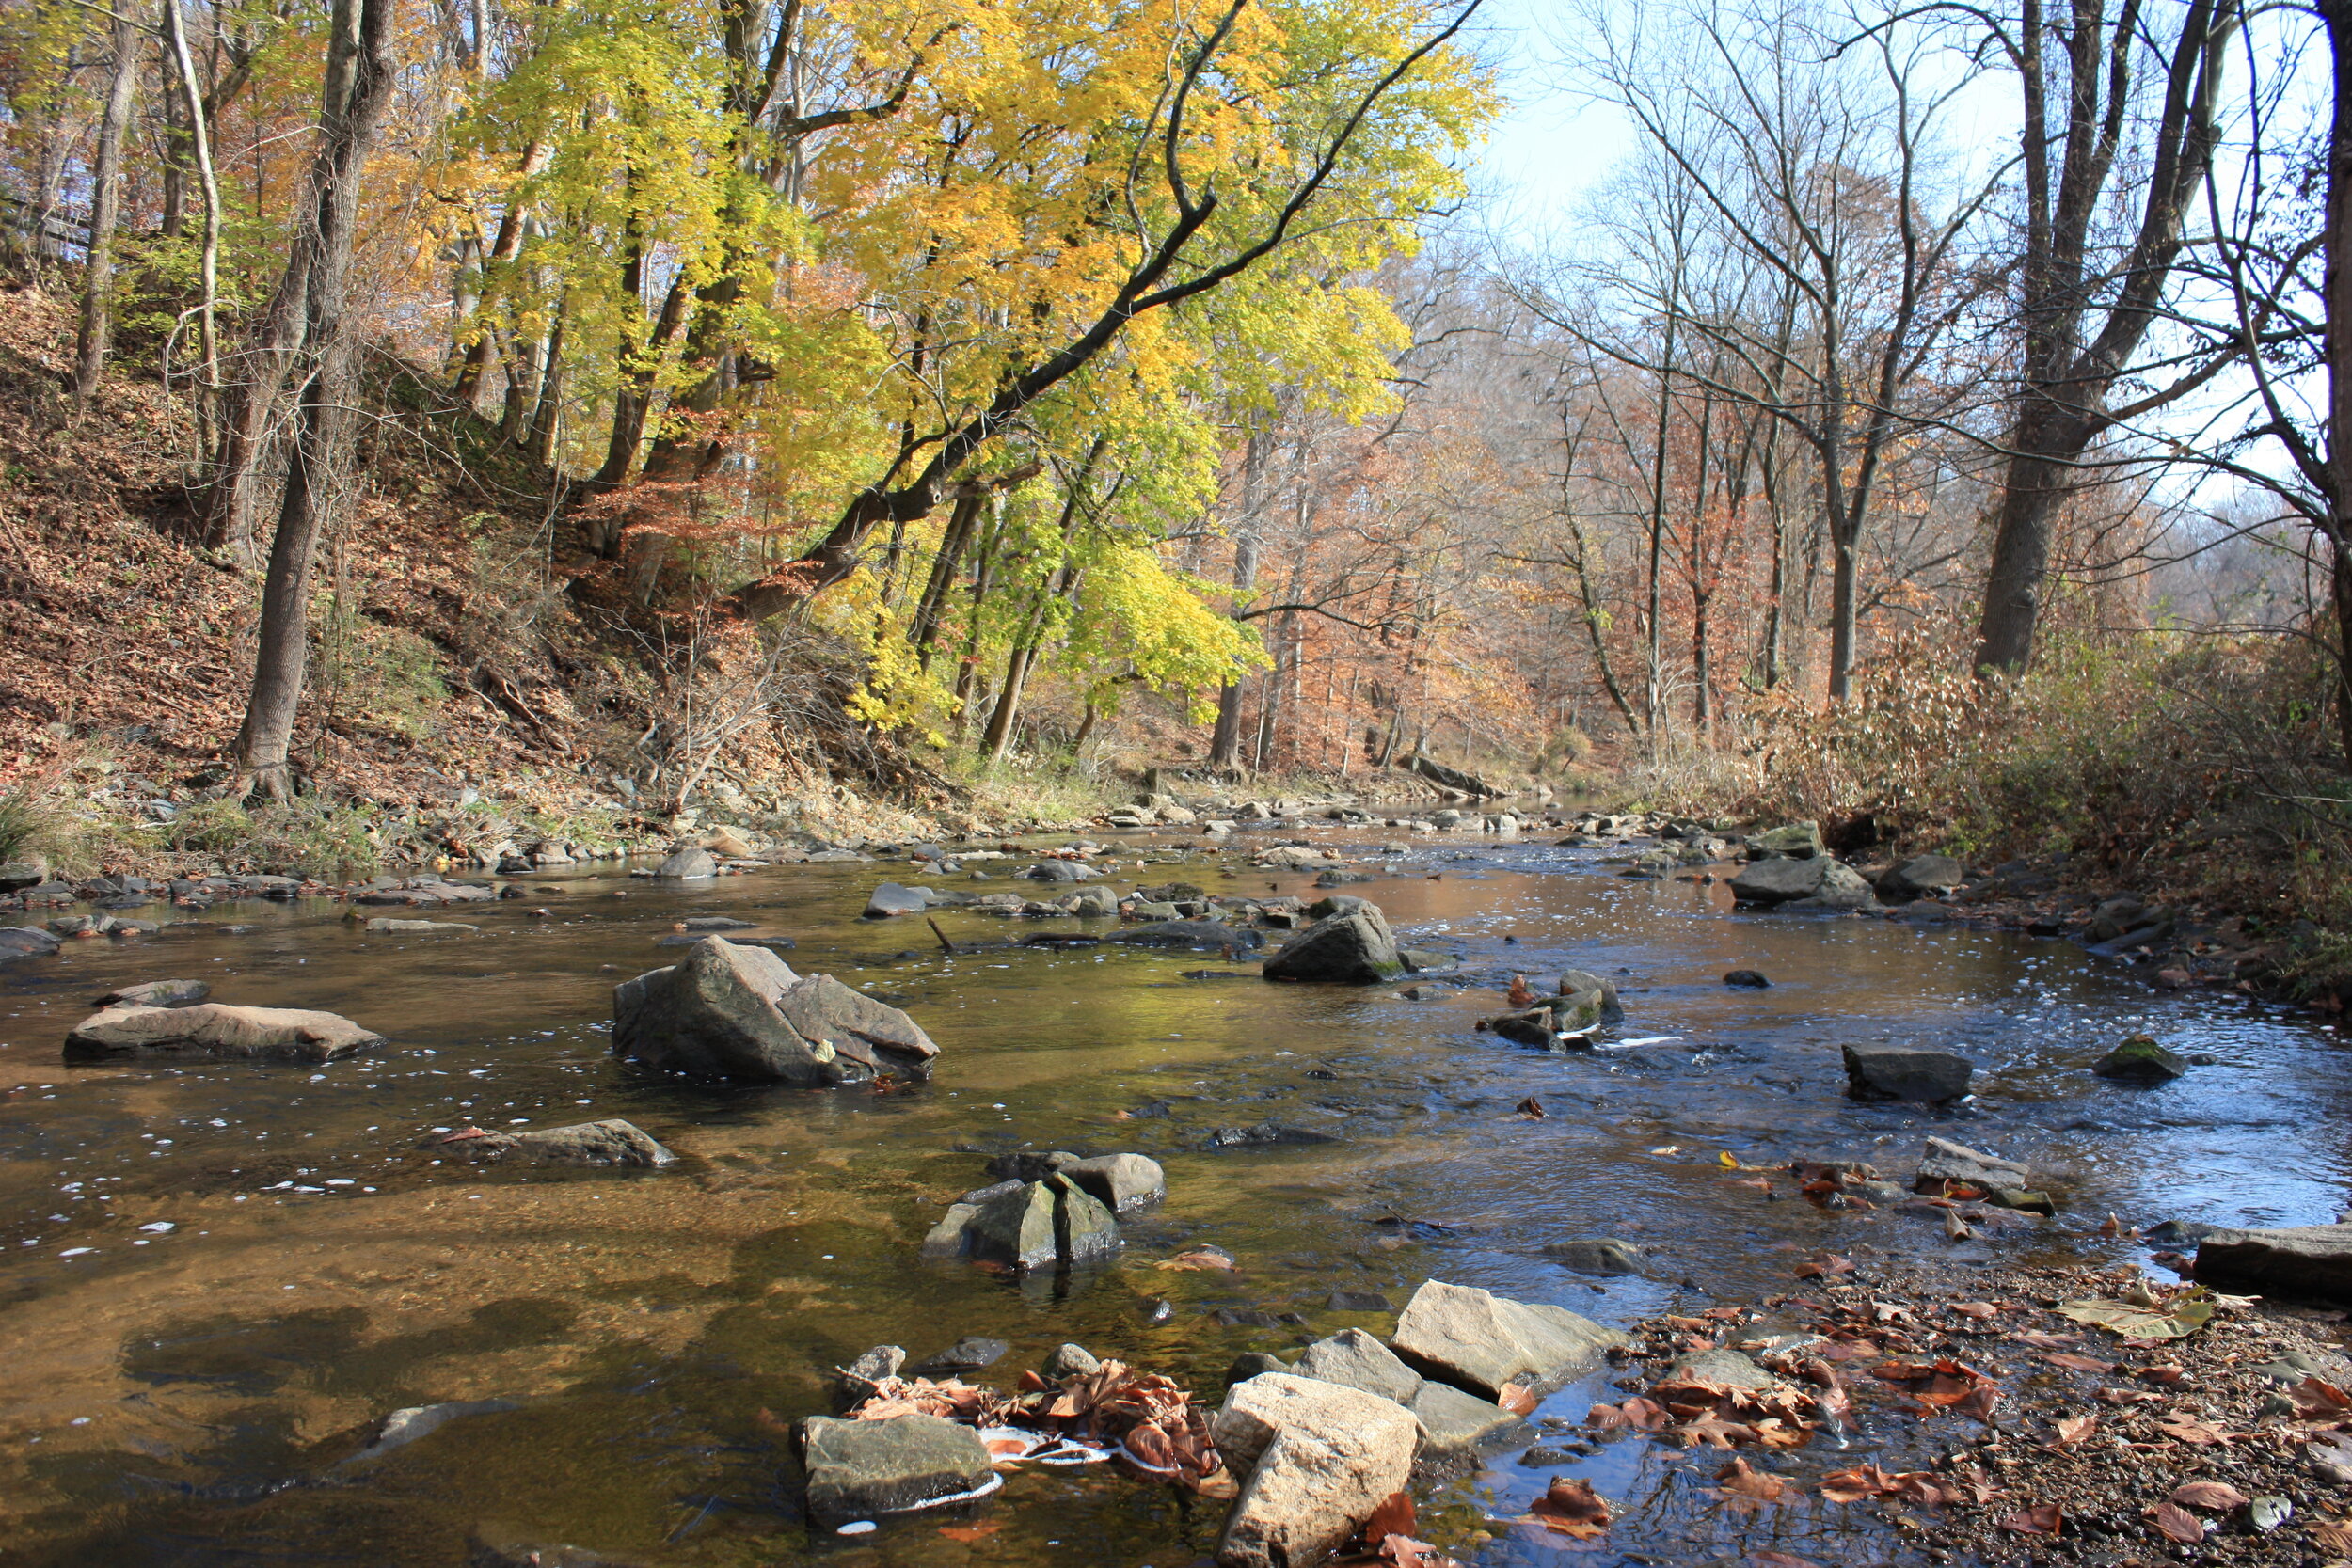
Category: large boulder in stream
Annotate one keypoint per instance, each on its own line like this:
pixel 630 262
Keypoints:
pixel 1813 882
pixel 1906 1073
pixel 1920 876
pixel 857 1470
pixel 27 942
pixel 1318 1457
pixel 1478 1340
pixel 737 1011
pixel 2310 1262
pixel 1452 1423
pixel 213 1029
pixel 693 863
pixel 1354 948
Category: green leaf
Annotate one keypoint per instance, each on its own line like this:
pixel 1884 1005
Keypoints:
pixel 2187 1312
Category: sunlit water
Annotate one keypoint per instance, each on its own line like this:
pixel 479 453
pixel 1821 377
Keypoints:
pixel 196 1395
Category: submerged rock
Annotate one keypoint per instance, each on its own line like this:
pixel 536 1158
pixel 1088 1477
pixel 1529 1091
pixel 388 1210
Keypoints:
pixel 1598 1255
pixel 1480 1341
pixel 738 1012
pixel 214 1029
pixel 1214 936
pixel 384 926
pixel 2140 1060
pixel 1748 978
pixel 611 1142
pixel 857 1470
pixel 2312 1261
pixel 158 993
pixel 1906 1073
pixel 403 1427
pixel 1355 947
pixel 1265 1133
pixel 1946 1161
pixel 1319 1459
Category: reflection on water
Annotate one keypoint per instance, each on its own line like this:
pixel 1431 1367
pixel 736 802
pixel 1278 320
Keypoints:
pixel 196 1395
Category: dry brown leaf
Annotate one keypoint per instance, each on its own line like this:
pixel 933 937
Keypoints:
pixel 1517 1400
pixel 971 1532
pixel 1200 1259
pixel 2074 1429
pixel 2041 1519
pixel 1976 1310
pixel 2201 1433
pixel 2208 1494
pixel 1825 1266
pixel 1739 1480
pixel 2334 1534
pixel 1395 1515
pixel 2079 1363
pixel 2178 1524
pixel 1529 1109
pixel 1779 1559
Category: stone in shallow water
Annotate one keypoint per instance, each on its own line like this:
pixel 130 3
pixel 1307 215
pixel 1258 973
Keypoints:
pixel 403 1427
pixel 611 1142
pixel 1946 1161
pixel 1598 1255
pixel 2140 1060
pixel 1480 1341
pixel 967 1355
pixel 2313 1262
pixel 1906 1073
pixel 857 1470
pixel 1750 979
pixel 1353 948
pixel 213 1029
pixel 733 1010
pixel 1319 1459
pixel 687 866
pixel 158 993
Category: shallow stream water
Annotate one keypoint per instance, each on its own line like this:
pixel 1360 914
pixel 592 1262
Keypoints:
pixel 200 1395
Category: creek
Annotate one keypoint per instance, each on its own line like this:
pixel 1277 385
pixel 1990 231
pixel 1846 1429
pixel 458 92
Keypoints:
pixel 198 1395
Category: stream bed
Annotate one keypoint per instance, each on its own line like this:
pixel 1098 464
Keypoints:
pixel 215 1280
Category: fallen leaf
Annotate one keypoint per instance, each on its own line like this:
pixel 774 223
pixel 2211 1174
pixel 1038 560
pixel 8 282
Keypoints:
pixel 2152 1319
pixel 2208 1494
pixel 971 1532
pixel 1976 1310
pixel 1779 1559
pixel 2316 1399
pixel 1200 1259
pixel 2166 1374
pixel 2334 1534
pixel 2178 1524
pixel 2126 1396
pixel 1571 1507
pixel 1713 1430
pixel 1395 1515
pixel 2041 1519
pixel 1826 1266
pixel 2198 1433
pixel 1763 1184
pixel 1738 1479
pixel 2074 1429
pixel 1529 1109
pixel 1956 1228
pixel 1517 1400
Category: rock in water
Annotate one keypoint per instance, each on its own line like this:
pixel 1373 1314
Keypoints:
pixel 1354 1359
pixel 1819 883
pixel 1124 1182
pixel 2140 1060
pixel 1477 1340
pixel 1581 984
pixel 687 866
pixel 403 1427
pixel 384 926
pixel 738 1012
pixel 213 1029
pixel 1905 1072
pixel 25 942
pixel 1319 1459
pixel 1213 936
pixel 1946 1161
pixel 1085 1233
pixel 892 899
pixel 1797 841
pixel 612 1141
pixel 158 993
pixel 1354 948
pixel 1749 978
pixel 2310 1261
pixel 1017 1228
pixel 1919 877
pixel 1602 1255
pixel 857 1470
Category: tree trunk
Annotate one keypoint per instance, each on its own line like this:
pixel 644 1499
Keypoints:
pixel 547 418
pixel 193 104
pixel 945 565
pixel 2336 289
pixel 97 281
pixel 358 85
pixel 514 227
pixel 2032 493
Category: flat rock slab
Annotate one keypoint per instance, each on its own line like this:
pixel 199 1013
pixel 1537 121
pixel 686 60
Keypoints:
pixel 27 942
pixel 403 1427
pixel 158 993
pixel 1354 1359
pixel 385 925
pixel 2312 1261
pixel 1818 883
pixel 1906 1073
pixel 1319 1459
pixel 1946 1161
pixel 857 1470
pixel 1480 1341
pixel 612 1143
pixel 425 894
pixel 213 1029
pixel 1210 935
